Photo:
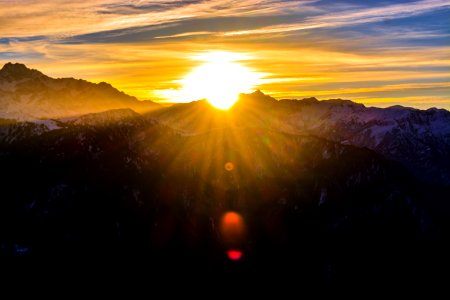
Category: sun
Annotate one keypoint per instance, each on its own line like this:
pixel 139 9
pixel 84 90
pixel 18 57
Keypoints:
pixel 220 79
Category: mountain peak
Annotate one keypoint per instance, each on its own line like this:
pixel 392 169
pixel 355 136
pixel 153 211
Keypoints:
pixel 17 71
pixel 14 66
pixel 257 96
pixel 258 93
pixel 27 94
pixel 310 100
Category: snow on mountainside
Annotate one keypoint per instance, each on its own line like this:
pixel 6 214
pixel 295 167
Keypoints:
pixel 29 95
pixel 12 131
pixel 349 122
pixel 106 118
pixel 420 139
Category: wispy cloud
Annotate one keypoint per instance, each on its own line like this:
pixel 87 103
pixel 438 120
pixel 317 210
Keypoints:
pixel 382 88
pixel 351 17
pixel 184 34
pixel 68 18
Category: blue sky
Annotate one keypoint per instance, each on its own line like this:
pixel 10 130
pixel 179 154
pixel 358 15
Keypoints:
pixel 376 52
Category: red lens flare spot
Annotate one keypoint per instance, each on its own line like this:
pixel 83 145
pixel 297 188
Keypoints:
pixel 234 255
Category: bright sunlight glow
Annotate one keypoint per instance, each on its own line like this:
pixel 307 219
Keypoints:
pixel 220 79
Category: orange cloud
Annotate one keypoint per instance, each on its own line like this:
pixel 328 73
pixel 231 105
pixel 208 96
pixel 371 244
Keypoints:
pixel 67 18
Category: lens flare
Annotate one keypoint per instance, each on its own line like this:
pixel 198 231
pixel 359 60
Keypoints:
pixel 229 166
pixel 233 234
pixel 232 224
pixel 234 254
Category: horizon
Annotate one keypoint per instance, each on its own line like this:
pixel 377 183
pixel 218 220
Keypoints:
pixel 377 53
pixel 283 141
pixel 168 104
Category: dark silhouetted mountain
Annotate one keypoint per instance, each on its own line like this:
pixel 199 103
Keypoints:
pixel 420 139
pixel 11 73
pixel 27 94
pixel 135 189
pixel 321 186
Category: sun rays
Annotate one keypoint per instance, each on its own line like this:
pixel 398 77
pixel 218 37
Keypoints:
pixel 219 79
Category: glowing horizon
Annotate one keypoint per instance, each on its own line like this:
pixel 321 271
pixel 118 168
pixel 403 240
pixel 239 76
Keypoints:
pixel 375 53
pixel 219 79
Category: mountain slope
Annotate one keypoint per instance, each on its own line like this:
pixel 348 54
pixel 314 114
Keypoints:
pixel 117 186
pixel 138 189
pixel 27 94
pixel 420 139
pixel 12 131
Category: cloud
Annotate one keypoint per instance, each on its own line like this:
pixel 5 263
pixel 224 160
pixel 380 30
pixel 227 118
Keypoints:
pixel 147 69
pixel 68 18
pixel 184 34
pixel 145 47
pixel 383 88
pixel 352 17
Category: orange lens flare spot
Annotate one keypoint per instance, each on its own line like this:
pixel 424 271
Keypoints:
pixel 229 166
pixel 234 254
pixel 232 219
pixel 232 229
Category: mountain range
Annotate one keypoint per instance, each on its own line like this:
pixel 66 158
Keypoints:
pixel 419 139
pixel 27 94
pixel 335 191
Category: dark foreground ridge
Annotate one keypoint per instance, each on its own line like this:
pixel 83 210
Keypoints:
pixel 323 205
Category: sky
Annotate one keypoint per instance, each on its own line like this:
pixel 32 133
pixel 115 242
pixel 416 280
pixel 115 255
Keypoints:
pixel 376 52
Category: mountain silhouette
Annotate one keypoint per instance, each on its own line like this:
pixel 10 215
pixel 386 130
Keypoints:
pixel 27 94
pixel 337 193
pixel 419 139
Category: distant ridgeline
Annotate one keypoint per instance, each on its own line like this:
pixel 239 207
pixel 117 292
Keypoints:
pixel 332 191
